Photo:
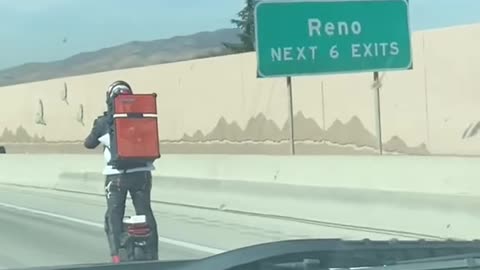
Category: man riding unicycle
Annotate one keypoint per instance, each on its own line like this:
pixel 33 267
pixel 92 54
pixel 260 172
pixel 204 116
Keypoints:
pixel 130 176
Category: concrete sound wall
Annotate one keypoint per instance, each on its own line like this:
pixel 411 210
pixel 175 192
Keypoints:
pixel 217 105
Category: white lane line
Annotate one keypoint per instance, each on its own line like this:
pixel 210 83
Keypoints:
pixel 98 225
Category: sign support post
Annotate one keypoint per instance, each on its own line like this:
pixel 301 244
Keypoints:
pixel 378 116
pixel 290 115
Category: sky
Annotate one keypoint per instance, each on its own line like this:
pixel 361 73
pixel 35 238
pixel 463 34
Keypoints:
pixel 34 30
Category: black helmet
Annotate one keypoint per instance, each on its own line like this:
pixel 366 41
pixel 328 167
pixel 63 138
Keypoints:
pixel 117 88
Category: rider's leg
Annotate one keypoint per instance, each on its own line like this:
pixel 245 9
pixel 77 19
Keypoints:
pixel 140 189
pixel 116 194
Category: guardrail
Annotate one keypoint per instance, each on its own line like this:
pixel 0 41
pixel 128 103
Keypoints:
pixel 396 192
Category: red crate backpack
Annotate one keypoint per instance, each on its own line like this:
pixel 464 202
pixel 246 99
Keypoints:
pixel 134 131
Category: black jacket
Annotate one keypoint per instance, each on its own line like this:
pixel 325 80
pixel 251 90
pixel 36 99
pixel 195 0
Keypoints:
pixel 100 128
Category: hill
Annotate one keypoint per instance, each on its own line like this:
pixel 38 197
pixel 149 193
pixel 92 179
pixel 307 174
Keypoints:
pixel 128 55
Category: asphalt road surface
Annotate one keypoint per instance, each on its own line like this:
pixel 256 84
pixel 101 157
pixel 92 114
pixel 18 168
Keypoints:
pixel 46 228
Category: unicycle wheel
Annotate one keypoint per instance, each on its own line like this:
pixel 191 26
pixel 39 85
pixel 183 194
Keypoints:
pixel 123 253
pixel 140 254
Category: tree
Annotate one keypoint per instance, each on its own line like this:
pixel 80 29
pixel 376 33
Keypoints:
pixel 246 24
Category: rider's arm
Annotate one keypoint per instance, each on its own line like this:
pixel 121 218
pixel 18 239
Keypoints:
pixel 99 129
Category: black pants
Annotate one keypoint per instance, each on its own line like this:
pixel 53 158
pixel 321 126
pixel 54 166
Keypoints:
pixel 139 185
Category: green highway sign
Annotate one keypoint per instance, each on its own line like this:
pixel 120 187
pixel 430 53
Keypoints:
pixel 308 37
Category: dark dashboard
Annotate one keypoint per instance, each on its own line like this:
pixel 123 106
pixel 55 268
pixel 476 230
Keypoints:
pixel 322 254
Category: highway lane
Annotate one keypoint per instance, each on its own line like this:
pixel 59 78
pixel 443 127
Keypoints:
pixel 42 228
pixel 34 240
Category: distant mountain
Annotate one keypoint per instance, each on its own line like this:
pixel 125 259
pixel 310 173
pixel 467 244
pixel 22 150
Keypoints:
pixel 128 55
